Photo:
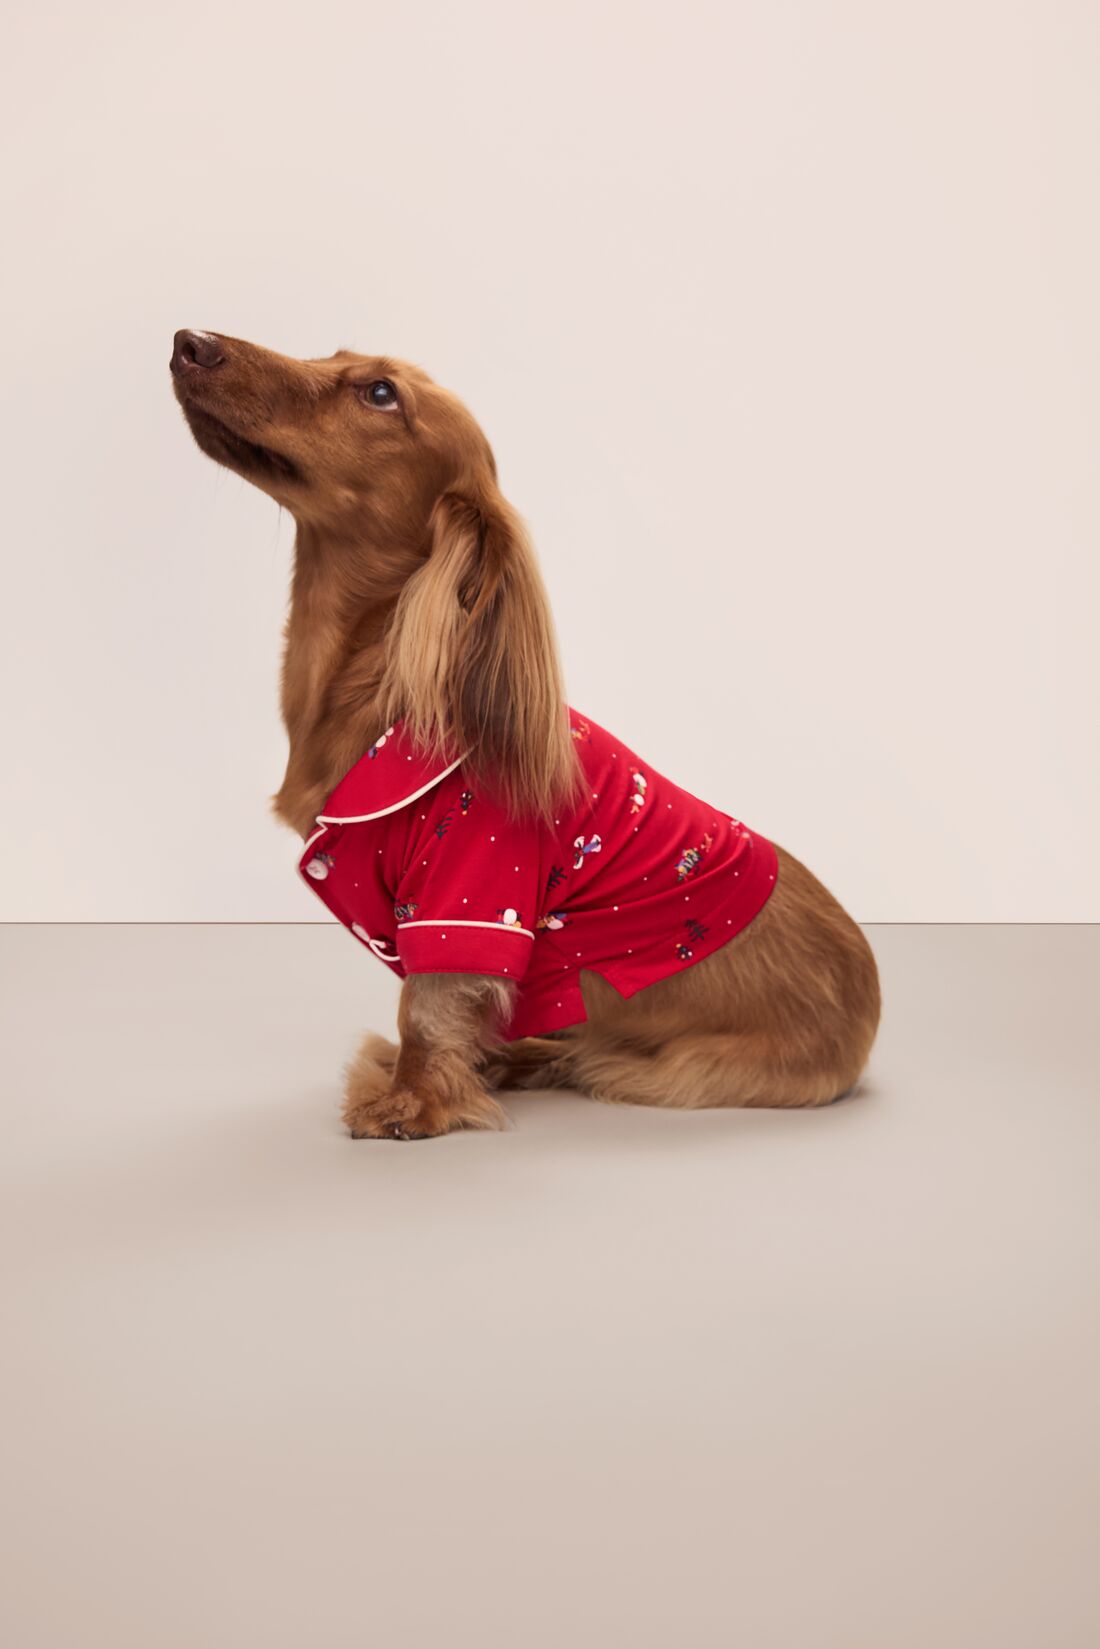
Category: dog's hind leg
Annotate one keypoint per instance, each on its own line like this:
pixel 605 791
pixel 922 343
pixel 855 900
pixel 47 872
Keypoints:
pixel 699 1070
pixel 529 1062
pixel 376 1053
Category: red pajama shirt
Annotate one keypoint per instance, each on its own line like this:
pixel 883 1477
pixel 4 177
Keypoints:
pixel 635 881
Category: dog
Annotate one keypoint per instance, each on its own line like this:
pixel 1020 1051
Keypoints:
pixel 487 844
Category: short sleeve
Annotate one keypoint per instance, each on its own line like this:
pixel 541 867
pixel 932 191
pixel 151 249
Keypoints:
pixel 468 898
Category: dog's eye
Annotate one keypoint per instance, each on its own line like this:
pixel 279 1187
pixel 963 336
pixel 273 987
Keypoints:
pixel 380 393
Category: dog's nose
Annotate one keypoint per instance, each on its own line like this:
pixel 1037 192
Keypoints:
pixel 195 352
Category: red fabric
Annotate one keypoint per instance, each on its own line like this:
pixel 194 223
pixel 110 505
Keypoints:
pixel 635 881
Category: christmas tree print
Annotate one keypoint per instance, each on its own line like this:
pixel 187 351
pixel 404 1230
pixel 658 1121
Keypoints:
pixel 695 931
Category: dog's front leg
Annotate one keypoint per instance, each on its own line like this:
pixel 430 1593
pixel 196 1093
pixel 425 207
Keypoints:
pixel 447 1023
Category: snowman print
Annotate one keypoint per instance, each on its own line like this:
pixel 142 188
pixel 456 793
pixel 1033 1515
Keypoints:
pixel 319 866
pixel 376 747
pixel 637 801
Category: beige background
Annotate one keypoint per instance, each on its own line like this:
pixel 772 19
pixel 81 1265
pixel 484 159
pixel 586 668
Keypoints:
pixel 783 322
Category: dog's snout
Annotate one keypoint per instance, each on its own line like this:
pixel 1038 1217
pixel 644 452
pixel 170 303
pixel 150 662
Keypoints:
pixel 195 352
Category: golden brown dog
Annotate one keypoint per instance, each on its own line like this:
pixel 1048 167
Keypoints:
pixel 415 594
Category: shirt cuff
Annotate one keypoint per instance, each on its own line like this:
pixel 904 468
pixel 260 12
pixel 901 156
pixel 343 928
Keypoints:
pixel 464 947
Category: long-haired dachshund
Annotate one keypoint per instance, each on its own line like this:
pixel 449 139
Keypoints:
pixel 560 913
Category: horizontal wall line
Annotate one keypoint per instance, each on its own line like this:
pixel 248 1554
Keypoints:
pixel 882 922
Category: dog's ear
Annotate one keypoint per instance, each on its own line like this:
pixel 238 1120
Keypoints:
pixel 472 661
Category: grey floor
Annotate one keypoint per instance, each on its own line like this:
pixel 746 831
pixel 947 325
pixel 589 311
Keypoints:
pixel 617 1377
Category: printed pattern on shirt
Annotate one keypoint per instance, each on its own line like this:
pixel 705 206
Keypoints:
pixel 635 880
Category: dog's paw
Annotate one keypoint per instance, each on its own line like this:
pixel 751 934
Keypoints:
pixel 374 1108
pixel 388 1115
pixel 400 1114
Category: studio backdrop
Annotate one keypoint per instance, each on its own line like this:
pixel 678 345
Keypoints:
pixel 788 351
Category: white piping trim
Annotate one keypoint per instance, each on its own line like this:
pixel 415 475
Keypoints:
pixel 324 819
pixel 461 922
pixel 377 947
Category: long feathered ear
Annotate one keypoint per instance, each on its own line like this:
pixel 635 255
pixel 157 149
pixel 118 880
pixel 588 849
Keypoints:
pixel 472 663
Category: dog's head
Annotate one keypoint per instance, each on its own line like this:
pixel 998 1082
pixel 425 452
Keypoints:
pixel 370 453
pixel 336 441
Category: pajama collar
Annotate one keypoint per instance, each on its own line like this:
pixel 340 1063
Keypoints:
pixel 392 774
